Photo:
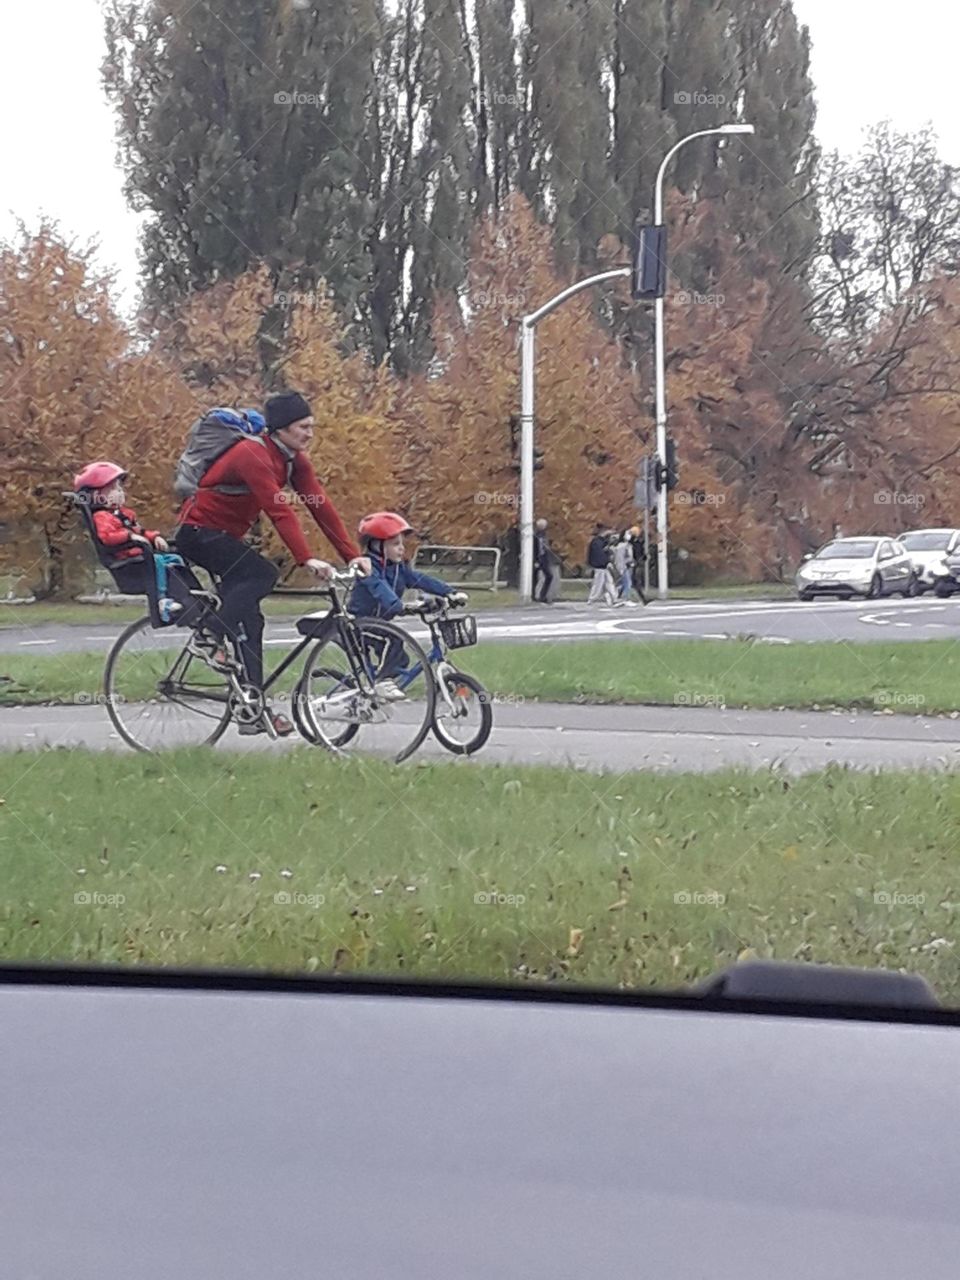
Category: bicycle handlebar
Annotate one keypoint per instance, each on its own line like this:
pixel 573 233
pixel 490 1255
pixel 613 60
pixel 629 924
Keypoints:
pixel 436 606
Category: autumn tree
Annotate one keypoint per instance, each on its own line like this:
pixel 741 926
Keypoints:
pixel 72 392
pixel 460 448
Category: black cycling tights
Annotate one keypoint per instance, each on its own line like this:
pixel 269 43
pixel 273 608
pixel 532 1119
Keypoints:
pixel 245 578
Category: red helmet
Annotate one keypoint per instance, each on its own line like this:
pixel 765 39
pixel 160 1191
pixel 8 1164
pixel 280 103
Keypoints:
pixel 383 524
pixel 98 474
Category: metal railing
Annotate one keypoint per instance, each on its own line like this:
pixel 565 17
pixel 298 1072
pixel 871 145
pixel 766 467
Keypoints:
pixel 462 561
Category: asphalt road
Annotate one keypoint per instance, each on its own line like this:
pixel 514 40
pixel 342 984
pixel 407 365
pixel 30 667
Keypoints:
pixel 607 739
pixel 776 621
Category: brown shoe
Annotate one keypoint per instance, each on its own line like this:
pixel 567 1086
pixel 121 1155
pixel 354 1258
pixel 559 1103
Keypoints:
pixel 281 726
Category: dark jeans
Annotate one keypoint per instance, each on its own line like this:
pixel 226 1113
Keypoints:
pixel 543 576
pixel 245 578
pixel 385 661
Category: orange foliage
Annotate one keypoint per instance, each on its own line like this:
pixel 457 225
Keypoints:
pixel 456 420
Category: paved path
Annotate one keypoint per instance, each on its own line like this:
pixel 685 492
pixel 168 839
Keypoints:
pixel 777 621
pixel 615 739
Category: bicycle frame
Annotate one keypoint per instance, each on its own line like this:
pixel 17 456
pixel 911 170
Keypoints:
pixel 437 661
pixel 336 620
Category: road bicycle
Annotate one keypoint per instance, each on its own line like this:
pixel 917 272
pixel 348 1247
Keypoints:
pixel 463 712
pixel 161 695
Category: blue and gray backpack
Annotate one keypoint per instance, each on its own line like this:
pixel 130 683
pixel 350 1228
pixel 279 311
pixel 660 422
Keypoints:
pixel 210 436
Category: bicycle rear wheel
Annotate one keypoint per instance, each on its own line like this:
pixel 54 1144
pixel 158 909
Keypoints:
pixel 369 676
pixel 159 695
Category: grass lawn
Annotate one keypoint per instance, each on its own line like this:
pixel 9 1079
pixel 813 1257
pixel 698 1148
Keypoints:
pixel 308 863
pixel 912 677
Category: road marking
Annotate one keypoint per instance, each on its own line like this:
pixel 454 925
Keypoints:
pixel 24 643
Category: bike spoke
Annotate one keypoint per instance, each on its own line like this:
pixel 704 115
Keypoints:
pixel 369 683
pixel 159 695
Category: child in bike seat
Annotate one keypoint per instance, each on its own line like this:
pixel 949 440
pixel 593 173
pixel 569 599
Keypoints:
pixel 380 594
pixel 117 529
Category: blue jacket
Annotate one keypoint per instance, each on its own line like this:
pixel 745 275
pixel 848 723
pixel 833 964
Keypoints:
pixel 380 594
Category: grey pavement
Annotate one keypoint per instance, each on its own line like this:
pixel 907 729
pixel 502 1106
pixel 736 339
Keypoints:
pixel 599 738
pixel 775 621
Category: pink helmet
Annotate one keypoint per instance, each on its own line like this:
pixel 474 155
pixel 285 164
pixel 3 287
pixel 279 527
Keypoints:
pixel 98 474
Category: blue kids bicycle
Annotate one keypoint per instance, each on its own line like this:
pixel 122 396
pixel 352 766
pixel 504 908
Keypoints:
pixel 459 709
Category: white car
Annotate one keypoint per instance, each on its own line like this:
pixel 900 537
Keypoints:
pixel 848 567
pixel 928 549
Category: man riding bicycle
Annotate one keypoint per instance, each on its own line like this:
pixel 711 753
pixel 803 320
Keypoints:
pixel 213 524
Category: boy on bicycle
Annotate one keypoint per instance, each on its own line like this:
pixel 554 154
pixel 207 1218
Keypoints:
pixel 380 594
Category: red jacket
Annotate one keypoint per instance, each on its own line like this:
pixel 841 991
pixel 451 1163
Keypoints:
pixel 114 526
pixel 262 467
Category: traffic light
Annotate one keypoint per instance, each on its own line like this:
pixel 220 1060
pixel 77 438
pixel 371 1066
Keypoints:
pixel 673 465
pixel 667 477
pixel 649 275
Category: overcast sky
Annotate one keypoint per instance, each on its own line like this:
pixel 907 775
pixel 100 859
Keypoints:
pixel 871 59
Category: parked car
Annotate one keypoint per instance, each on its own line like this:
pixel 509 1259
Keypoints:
pixel 928 549
pixel 848 567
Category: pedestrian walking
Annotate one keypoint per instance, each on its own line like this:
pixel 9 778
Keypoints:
pixel 602 589
pixel 623 567
pixel 639 561
pixel 546 566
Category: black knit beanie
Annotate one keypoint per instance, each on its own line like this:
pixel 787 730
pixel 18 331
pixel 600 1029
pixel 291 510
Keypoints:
pixel 285 408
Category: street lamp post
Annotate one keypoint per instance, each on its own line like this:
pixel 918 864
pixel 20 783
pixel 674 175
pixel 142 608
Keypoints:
pixel 661 409
pixel 528 358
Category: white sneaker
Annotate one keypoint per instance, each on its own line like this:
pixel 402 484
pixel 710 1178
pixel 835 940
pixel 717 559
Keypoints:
pixel 389 691
pixel 168 608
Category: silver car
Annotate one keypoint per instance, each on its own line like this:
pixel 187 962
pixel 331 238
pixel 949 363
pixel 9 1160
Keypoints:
pixel 929 549
pixel 848 567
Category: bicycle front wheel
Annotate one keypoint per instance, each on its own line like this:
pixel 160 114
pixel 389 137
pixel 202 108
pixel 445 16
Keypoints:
pixel 369 681
pixel 463 723
pixel 159 695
